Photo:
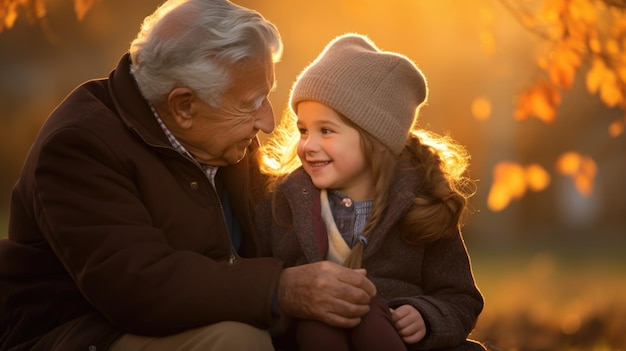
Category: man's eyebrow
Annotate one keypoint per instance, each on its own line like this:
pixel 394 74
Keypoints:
pixel 258 101
pixel 252 105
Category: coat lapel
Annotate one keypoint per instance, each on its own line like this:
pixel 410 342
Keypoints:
pixel 402 193
pixel 303 199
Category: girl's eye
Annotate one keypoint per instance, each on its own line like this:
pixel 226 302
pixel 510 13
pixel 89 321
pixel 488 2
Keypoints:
pixel 302 130
pixel 326 131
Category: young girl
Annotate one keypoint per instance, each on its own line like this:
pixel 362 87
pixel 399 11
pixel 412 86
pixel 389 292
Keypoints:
pixel 362 186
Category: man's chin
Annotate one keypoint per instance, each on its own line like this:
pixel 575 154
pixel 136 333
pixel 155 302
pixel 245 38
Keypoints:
pixel 241 154
pixel 230 157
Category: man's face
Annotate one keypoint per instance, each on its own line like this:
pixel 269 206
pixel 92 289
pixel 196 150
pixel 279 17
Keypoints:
pixel 220 136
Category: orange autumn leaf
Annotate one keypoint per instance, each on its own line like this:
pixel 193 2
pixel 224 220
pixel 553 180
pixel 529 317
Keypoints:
pixel 584 184
pixel 8 13
pixel 34 9
pixel 605 81
pixel 616 128
pixel 581 169
pixel 498 198
pixel 511 181
pixel 595 46
pixel 610 91
pixel 568 163
pixel 37 8
pixel 595 75
pixel 585 178
pixel 540 100
pixel 563 64
pixel 581 31
pixel 552 10
pixel 508 184
pixel 537 177
pixel 621 70
pixel 583 11
pixel 582 21
pixel 613 47
pixel 81 7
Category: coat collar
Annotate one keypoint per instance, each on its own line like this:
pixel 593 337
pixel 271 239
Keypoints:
pixel 302 196
pixel 132 108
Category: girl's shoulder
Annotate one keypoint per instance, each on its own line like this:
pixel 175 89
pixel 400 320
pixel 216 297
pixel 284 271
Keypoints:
pixel 296 178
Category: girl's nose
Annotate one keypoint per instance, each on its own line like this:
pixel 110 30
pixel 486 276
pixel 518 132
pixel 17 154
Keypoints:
pixel 310 143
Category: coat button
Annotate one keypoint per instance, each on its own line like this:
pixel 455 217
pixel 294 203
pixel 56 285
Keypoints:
pixel 194 185
pixel 305 190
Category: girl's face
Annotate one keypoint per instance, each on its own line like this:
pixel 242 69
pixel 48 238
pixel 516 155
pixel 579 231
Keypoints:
pixel 330 152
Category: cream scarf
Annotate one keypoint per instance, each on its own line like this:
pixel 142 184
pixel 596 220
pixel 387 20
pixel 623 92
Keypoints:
pixel 338 249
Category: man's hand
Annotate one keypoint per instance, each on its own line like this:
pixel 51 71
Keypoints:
pixel 327 292
pixel 409 323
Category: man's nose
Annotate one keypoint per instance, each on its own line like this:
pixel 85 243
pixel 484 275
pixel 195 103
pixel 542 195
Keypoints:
pixel 264 117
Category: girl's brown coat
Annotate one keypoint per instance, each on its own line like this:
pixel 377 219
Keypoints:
pixel 436 278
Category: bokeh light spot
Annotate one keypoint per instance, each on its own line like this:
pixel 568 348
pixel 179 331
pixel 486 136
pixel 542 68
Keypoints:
pixel 570 323
pixel 481 108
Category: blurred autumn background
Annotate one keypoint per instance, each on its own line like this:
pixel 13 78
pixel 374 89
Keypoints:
pixel 536 90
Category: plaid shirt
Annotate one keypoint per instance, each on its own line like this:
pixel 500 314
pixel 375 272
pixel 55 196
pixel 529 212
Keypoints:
pixel 350 216
pixel 210 171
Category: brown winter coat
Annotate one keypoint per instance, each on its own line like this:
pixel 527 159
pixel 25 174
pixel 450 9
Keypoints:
pixel 111 230
pixel 435 278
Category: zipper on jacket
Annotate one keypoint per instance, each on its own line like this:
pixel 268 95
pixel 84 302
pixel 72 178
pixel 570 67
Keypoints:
pixel 232 258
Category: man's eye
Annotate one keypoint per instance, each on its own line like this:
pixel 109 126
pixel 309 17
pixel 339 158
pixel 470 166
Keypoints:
pixel 254 106
pixel 247 109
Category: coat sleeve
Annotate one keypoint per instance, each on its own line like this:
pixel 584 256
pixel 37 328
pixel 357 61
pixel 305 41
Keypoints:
pixel 120 234
pixel 451 302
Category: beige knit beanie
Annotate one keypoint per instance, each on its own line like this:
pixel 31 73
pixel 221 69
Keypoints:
pixel 378 91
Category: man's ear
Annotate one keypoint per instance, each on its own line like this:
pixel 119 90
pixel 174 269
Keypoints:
pixel 180 102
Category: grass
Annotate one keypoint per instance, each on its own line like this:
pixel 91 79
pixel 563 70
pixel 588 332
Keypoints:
pixel 552 300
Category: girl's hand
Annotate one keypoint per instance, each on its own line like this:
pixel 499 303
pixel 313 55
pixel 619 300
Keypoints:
pixel 409 323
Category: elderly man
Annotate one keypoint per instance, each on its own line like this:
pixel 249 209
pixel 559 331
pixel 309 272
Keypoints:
pixel 130 225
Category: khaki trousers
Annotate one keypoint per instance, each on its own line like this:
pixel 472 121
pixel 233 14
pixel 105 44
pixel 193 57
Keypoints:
pixel 224 336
